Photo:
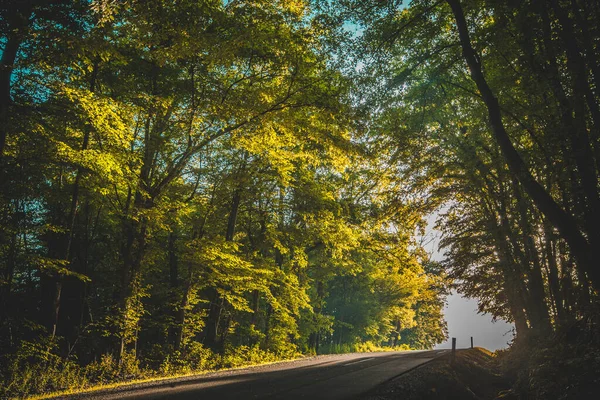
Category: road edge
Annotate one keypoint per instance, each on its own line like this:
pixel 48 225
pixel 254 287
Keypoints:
pixel 170 381
pixel 387 381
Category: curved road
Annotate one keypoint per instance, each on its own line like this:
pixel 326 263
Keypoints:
pixel 324 377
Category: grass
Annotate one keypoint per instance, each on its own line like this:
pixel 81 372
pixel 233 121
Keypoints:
pixel 89 390
pixel 100 387
pixel 474 376
pixel 35 372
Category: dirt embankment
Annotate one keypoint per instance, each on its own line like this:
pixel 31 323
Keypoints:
pixel 474 375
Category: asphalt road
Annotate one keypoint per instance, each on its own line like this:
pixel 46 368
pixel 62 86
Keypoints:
pixel 328 377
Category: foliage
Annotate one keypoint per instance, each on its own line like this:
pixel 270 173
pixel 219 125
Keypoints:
pixel 563 366
pixel 189 186
pixel 502 149
pixel 492 110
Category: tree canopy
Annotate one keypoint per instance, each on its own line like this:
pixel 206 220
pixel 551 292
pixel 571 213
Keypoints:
pixel 193 184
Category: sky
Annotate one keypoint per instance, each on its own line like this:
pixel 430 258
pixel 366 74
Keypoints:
pixel 464 322
pixel 461 313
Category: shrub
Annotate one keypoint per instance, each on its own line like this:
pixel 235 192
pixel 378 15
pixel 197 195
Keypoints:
pixel 34 369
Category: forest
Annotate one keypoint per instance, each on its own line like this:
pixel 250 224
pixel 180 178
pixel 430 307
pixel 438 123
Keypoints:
pixel 189 185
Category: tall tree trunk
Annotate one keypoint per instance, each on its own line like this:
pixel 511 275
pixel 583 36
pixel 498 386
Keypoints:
pixel 173 263
pixel 521 265
pixel 564 222
pixel 582 148
pixel 534 270
pixel 134 229
pixel 181 313
pixel 553 273
pixel 217 303
pixel 71 219
pixel 18 21
pixel 132 253
pixel 513 283
pixel 7 280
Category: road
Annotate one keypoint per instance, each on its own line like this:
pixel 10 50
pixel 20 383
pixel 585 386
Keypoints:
pixel 329 377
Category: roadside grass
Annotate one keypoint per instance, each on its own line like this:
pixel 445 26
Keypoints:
pixel 475 375
pixel 565 366
pixel 366 347
pixel 37 374
pixel 561 366
pixel 90 390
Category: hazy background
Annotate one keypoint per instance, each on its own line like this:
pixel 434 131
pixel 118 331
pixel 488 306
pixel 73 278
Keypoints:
pixel 461 313
pixel 464 322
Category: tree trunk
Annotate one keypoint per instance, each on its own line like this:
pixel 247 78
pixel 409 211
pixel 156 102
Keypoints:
pixel 6 284
pixel 534 270
pixel 217 303
pixel 582 149
pixel 515 305
pixel 177 345
pixel 18 22
pixel 173 262
pixel 564 222
pixel 553 274
pixel 66 253
pixel 513 283
pixel 133 253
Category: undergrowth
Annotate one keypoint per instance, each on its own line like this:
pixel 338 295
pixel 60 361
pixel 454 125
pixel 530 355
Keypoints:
pixel 365 347
pixel 473 376
pixel 563 366
pixel 36 369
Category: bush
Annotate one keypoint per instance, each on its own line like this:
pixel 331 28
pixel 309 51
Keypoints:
pixel 34 369
pixel 103 371
pixel 563 366
pixel 199 357
pixel 365 347
pixel 195 358
pixel 244 355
